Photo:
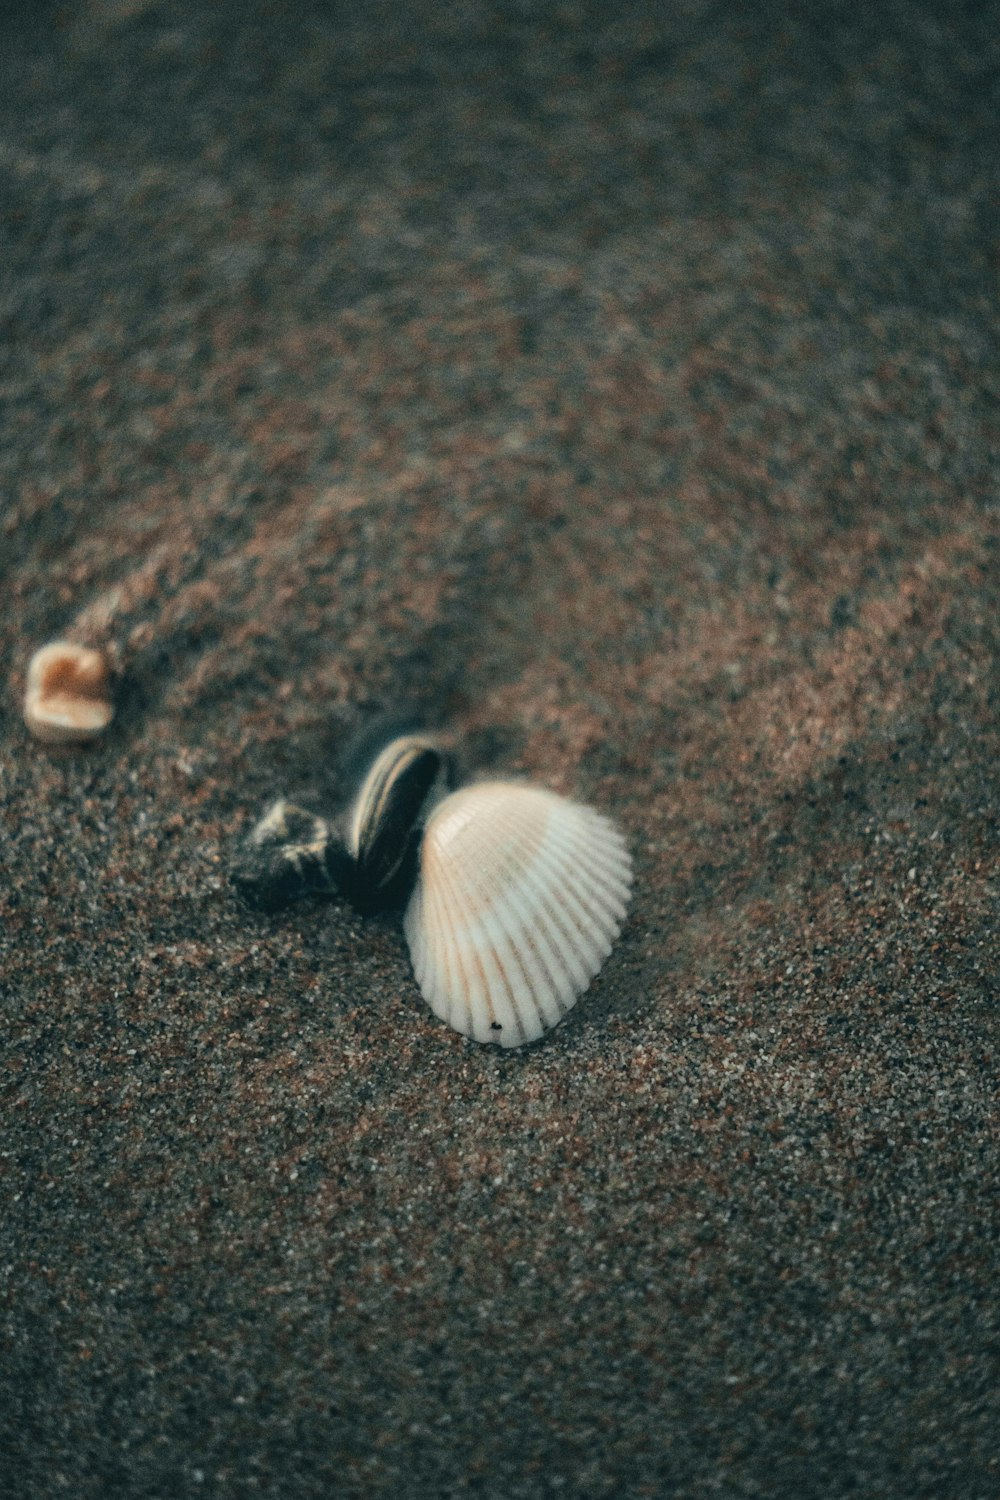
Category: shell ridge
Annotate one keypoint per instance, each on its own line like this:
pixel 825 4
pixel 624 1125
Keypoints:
pixel 522 994
pixel 454 985
pixel 536 935
pixel 464 992
pixel 600 911
pixel 580 844
pixel 511 991
pixel 486 929
pixel 539 878
pixel 441 984
pixel 579 874
pixel 538 938
pixel 491 995
pixel 584 919
pixel 551 979
pixel 421 925
pixel 494 987
pixel 602 838
pixel 512 929
pixel 610 835
pixel 482 933
pixel 613 888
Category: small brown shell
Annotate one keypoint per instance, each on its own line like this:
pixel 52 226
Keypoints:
pixel 68 694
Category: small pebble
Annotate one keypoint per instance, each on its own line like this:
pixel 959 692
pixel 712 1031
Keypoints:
pixel 68 696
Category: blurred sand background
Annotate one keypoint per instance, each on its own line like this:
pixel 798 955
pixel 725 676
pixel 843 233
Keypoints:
pixel 619 382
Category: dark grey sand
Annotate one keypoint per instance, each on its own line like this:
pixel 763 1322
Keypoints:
pixel 620 382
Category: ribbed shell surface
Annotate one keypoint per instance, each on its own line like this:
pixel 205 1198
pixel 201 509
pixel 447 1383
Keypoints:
pixel 519 898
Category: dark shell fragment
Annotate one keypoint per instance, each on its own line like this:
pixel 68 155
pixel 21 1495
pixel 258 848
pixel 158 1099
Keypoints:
pixel 409 775
pixel 291 853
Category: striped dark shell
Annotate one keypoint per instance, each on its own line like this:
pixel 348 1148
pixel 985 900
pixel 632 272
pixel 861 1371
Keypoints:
pixel 405 780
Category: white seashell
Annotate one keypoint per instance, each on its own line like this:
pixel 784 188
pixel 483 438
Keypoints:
pixel 519 898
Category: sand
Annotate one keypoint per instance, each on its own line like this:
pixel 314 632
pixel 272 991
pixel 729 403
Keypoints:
pixel 620 386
